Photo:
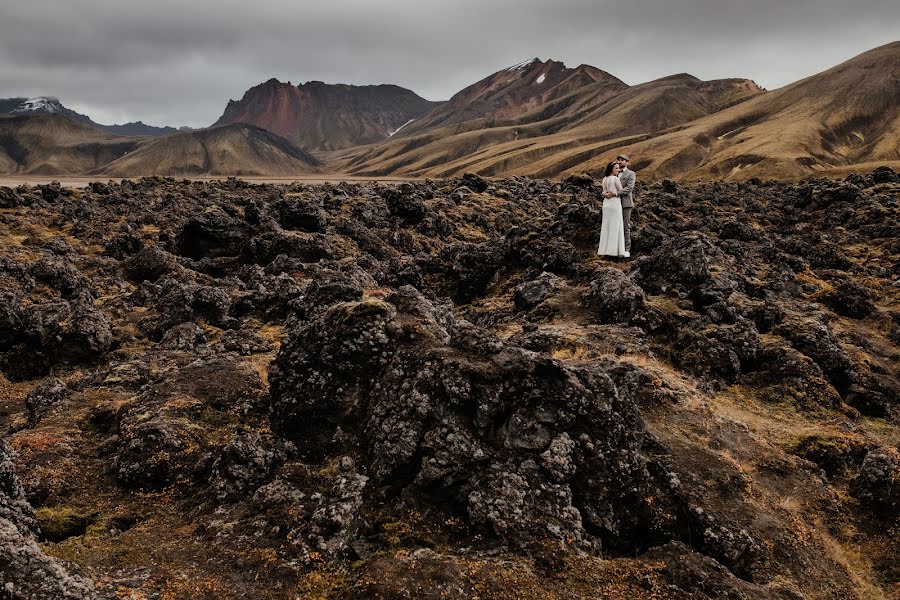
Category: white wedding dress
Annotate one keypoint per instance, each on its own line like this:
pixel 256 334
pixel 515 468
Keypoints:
pixel 612 229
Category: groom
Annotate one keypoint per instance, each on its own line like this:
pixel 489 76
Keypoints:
pixel 627 177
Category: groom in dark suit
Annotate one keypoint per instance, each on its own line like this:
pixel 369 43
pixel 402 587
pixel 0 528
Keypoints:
pixel 627 177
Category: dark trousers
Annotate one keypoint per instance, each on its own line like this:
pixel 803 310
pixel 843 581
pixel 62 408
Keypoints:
pixel 626 220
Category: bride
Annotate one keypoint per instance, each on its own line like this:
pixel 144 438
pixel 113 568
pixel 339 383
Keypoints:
pixel 612 230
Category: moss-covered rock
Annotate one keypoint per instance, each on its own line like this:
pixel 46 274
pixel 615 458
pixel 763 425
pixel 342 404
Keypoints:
pixel 59 523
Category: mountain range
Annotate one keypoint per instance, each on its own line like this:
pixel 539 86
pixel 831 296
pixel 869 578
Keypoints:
pixel 537 118
pixel 55 145
pixel 526 113
pixel 48 105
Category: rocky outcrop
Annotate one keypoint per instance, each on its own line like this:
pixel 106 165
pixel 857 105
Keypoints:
pixel 877 485
pixel 43 399
pixel 613 296
pixel 39 336
pixel 443 413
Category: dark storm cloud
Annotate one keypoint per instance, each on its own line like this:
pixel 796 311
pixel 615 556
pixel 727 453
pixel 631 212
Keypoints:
pixel 178 62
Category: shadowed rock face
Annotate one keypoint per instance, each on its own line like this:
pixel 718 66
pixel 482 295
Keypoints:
pixel 435 388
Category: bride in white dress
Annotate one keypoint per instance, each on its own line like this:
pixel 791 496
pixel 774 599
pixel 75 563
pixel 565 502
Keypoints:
pixel 612 230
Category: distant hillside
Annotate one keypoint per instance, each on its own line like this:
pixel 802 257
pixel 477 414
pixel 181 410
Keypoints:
pixel 47 105
pixel 581 106
pixel 56 145
pixel 140 129
pixel 846 115
pixel 320 116
pixel 676 126
pixel 238 149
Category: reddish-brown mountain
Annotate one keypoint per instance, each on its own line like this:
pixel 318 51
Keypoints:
pixel 518 90
pixel 320 116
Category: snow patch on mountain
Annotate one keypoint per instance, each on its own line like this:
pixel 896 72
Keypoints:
pixel 391 133
pixel 541 79
pixel 522 65
pixel 44 103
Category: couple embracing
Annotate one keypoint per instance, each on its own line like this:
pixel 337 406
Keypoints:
pixel 618 200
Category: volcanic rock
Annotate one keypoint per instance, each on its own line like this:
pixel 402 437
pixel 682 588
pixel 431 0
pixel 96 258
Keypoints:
pixel 43 399
pixel 25 571
pixel 878 482
pixel 440 412
pixel 613 296
pixel 531 293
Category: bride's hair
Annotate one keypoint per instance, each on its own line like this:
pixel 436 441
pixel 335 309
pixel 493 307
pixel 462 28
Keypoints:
pixel 609 169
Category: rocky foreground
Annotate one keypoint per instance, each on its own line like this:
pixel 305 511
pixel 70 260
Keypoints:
pixel 436 390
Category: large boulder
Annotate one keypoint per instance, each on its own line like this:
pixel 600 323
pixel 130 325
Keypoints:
pixel 39 336
pixel 715 351
pixel 60 274
pixel 531 293
pixel 307 247
pixel 300 214
pixel 43 399
pixel 404 202
pixel 885 174
pixel 443 413
pixel 213 233
pixel 9 198
pixel 174 301
pixel 878 483
pixel 849 299
pixel 681 263
pixel 149 264
pixel 613 296
pixel 160 439
pixel 464 270
pixel 245 462
pixel 786 375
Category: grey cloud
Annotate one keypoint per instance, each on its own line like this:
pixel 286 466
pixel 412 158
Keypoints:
pixel 178 62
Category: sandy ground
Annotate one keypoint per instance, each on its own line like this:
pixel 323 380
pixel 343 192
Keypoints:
pixel 73 181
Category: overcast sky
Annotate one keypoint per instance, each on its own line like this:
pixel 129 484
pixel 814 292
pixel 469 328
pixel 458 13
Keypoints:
pixel 177 62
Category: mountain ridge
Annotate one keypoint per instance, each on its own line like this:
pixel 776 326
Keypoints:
pixel 321 116
pixel 601 107
pixel 56 145
pixel 233 149
pixel 43 105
